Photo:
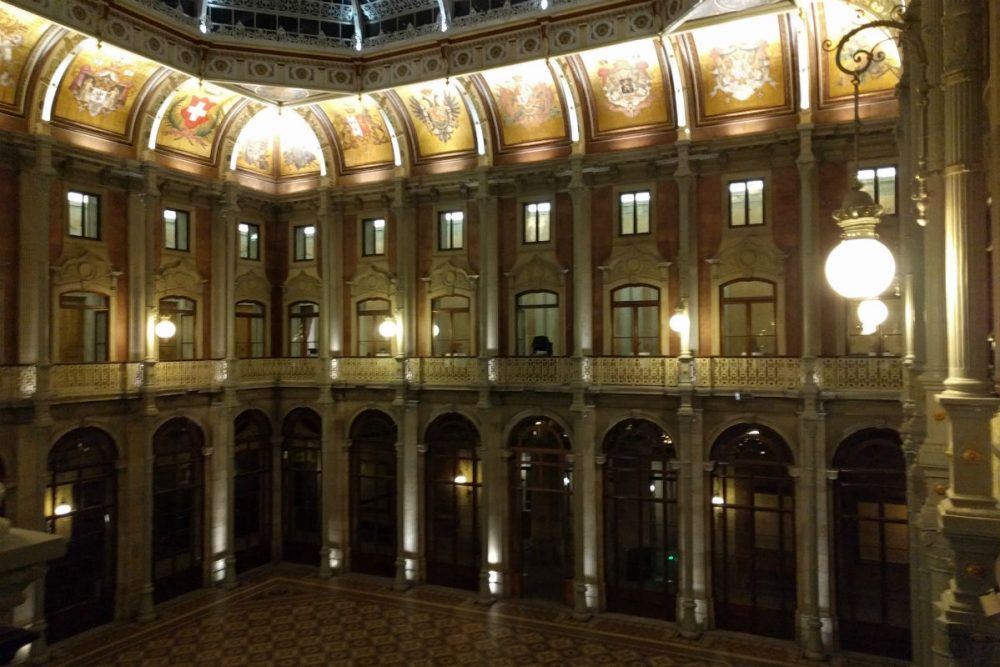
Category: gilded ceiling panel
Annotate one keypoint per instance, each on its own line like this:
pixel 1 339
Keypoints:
pixel 626 86
pixel 740 66
pixel 100 88
pixel 526 102
pixel 438 118
pixel 194 116
pixel 837 19
pixel 19 32
pixel 362 136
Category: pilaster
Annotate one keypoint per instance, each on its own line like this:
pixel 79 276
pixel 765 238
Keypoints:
pixel 489 305
pixel 583 309
pixel 33 257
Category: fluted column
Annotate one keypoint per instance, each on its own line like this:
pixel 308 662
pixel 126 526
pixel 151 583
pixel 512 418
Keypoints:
pixel 406 267
pixel 492 510
pixel 970 517
pixel 691 536
pixel 33 263
pixel 224 253
pixel 489 305
pixel 583 310
pixel 332 270
pixel 586 492
pixel 408 497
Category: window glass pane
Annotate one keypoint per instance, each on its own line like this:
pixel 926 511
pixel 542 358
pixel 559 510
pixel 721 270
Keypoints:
pixel 733 330
pixel 867 179
pixel 642 213
pixel 627 214
pixel 648 330
pixel 531 223
pixel 623 323
pixel 543 222
pixel 748 288
pixel 737 204
pixel 83 327
pixel 763 329
pixel 887 189
pixel 83 212
pixel 755 202
pixel 170 228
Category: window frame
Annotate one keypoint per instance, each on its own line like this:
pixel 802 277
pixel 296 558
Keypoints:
pixel 306 318
pixel 746 224
pixel 262 317
pixel 306 251
pixel 522 346
pixel 439 311
pixel 96 235
pixel 748 303
pixel 187 229
pixel 253 246
pixel 648 192
pixel 178 317
pixel 875 167
pixel 445 217
pixel 377 317
pixel 535 214
pixel 633 307
pixel 373 250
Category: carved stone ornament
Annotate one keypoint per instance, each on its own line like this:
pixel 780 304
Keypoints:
pixel 450 279
pixel 179 277
pixel 372 281
pixel 251 286
pixel 635 264
pixel 748 257
pixel 303 286
pixel 537 273
pixel 83 269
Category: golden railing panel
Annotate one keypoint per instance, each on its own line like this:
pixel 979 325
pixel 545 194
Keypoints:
pixel 192 375
pixel 449 371
pixel 635 371
pixel 883 374
pixel 755 372
pixel 367 370
pixel 89 380
pixel 525 371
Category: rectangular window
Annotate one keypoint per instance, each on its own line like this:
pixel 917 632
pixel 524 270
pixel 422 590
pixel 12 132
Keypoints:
pixel 536 222
pixel 880 183
pixel 451 230
pixel 634 213
pixel 373 237
pixel 175 229
pixel 746 203
pixel 305 243
pixel 249 240
pixel 84 215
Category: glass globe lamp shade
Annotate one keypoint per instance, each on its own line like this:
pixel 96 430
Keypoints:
pixel 872 313
pixel 860 268
pixel 679 322
pixel 388 328
pixel 165 328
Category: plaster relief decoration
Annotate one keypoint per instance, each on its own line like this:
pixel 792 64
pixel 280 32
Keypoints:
pixel 362 136
pixel 535 272
pixel 741 66
pixel 625 85
pixel 437 117
pixel 196 112
pixel 303 286
pixel 633 264
pixel 84 269
pixel 837 18
pixel 101 86
pixel 372 281
pixel 179 277
pixel 449 279
pixel 19 32
pixel 251 286
pixel 748 257
pixel 526 102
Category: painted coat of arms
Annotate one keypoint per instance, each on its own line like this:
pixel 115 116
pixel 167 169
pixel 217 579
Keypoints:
pixel 11 36
pixel 524 102
pixel 257 153
pixel 300 157
pixel 356 128
pixel 438 111
pixel 741 70
pixel 192 118
pixel 102 90
pixel 626 85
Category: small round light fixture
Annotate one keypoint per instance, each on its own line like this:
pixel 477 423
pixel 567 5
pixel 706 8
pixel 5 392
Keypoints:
pixel 165 328
pixel 435 331
pixel 62 509
pixel 461 479
pixel 388 328
pixel 871 312
pixel 679 321
pixel 718 500
pixel 860 267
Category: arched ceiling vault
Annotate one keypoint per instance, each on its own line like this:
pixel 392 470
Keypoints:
pixel 710 76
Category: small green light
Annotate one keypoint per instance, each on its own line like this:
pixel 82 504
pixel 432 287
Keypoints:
pixel 671 557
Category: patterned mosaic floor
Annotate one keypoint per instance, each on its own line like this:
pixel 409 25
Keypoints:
pixel 286 617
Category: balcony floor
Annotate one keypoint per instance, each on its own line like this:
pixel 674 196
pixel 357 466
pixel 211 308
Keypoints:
pixel 286 616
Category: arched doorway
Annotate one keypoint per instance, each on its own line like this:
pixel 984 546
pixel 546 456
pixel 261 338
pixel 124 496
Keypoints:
pixel 640 520
pixel 373 494
pixel 251 490
pixel 541 478
pixel 300 486
pixel 454 482
pixel 178 497
pixel 872 544
pixel 80 505
pixel 753 532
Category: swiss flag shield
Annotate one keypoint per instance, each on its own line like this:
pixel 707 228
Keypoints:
pixel 196 112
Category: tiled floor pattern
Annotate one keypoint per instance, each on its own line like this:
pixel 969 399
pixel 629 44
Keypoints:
pixel 286 617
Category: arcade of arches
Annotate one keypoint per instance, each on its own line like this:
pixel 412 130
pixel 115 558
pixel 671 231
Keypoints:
pixel 419 292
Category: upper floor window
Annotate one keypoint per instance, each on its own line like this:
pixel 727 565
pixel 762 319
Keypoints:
pixel 537 317
pixel 176 226
pixel 450 327
pixel 181 312
pixel 371 314
pixel 84 215
pixel 633 213
pixel 880 183
pixel 303 326
pixel 249 240
pixel 635 311
pixel 536 222
pixel 746 203
pixel 305 243
pixel 83 327
pixel 451 230
pixel 249 329
pixel 373 237
pixel 748 318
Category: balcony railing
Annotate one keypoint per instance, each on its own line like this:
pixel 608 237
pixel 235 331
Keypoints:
pixel 880 377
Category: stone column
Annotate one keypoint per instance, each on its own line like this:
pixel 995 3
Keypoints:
pixel 328 451
pixel 33 258
pixel 586 578
pixel 408 498
pixel 692 602
pixel 687 251
pixel 406 267
pixel 224 253
pixel 970 517
pixel 493 516
pixel 143 210
pixel 332 269
pixel 224 485
pixel 146 611
pixel 489 249
pixel 583 310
